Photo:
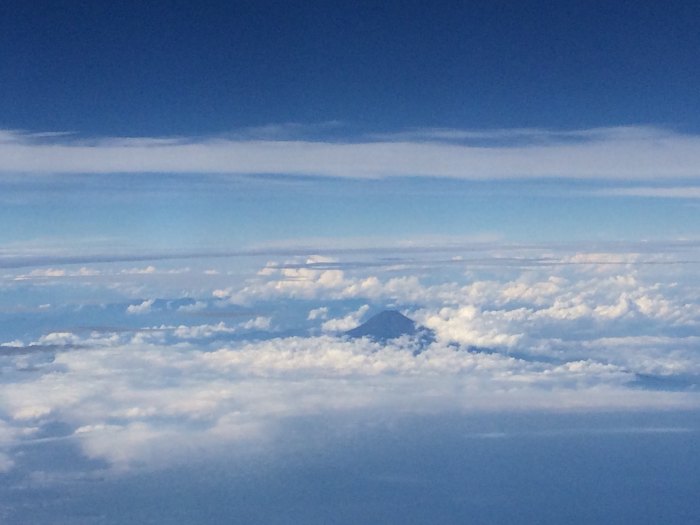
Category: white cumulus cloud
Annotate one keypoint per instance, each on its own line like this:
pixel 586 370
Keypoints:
pixel 142 308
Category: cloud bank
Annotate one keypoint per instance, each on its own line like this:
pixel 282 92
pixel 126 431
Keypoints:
pixel 623 153
pixel 590 331
pixel 133 402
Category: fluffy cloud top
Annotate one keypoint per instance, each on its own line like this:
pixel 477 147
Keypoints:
pixel 584 331
pixel 346 323
pixel 134 402
pixel 141 308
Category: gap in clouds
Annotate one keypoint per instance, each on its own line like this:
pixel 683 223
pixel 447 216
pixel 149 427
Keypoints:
pixel 97 218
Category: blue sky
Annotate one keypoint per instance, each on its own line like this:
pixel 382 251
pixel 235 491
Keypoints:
pixel 198 200
pixel 186 212
pixel 553 120
pixel 245 123
pixel 166 68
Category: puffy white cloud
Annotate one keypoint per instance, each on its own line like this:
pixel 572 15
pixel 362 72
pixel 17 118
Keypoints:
pixel 43 274
pixel 148 270
pixel 88 272
pixel 260 322
pixel 318 313
pixel 222 293
pixel 308 279
pixel 59 338
pixel 595 259
pixel 135 402
pixel 142 308
pixel 49 272
pixel 297 280
pixel 205 331
pixel 574 291
pixel 343 324
pixel 614 311
pixel 202 331
pixel 17 343
pixel 554 336
pixel 469 326
pixel 535 293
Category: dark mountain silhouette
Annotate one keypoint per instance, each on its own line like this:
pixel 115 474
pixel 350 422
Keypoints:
pixel 391 324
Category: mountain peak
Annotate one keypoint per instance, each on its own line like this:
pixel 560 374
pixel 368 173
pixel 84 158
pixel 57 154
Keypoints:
pixel 384 326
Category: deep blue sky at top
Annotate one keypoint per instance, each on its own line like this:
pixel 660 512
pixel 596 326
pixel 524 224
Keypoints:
pixel 163 68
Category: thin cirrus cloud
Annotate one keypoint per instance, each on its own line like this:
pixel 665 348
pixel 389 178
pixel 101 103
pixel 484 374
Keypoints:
pixel 672 192
pixel 621 153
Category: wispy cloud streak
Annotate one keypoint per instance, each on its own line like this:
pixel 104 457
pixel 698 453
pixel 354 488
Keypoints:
pixel 631 153
pixel 673 192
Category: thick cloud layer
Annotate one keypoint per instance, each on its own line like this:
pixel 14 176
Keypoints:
pixel 197 376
